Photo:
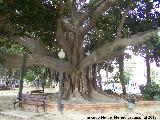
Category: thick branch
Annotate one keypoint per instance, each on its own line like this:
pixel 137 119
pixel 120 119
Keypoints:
pixel 61 38
pixel 34 59
pixel 121 25
pixel 104 6
pixel 107 51
pixel 67 24
pixel 85 15
pixel 49 62
pixel 88 27
pixel 32 44
pixel 132 41
pixel 101 8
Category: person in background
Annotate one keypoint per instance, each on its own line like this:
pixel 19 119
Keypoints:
pixel 36 83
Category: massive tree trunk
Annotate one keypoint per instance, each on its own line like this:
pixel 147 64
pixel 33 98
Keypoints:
pixel 66 87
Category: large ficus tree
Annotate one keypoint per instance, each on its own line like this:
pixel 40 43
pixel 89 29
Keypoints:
pixel 89 33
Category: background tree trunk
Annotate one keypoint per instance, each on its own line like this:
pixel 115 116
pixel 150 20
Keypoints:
pixel 121 71
pixel 94 76
pixel 148 65
pixel 22 75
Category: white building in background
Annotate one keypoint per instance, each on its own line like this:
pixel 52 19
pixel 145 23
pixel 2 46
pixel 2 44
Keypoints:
pixel 138 66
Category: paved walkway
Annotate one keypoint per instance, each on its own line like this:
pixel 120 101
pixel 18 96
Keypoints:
pixel 19 114
pixel 25 115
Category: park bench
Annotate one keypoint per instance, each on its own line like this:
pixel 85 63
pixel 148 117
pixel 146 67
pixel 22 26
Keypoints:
pixel 37 91
pixel 30 99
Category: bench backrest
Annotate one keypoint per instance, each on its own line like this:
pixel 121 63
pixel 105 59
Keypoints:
pixel 27 97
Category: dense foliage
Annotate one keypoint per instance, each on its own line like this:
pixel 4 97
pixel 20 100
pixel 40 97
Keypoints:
pixel 151 91
pixel 144 15
pixel 38 18
pixel 153 44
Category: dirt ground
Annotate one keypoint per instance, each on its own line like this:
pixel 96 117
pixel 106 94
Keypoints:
pixel 6 103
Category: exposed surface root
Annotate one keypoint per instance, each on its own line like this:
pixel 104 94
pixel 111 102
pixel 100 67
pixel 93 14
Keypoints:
pixel 99 98
pixel 77 98
pixel 96 98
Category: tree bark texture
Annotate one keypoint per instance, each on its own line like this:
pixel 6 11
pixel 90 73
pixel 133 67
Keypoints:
pixel 121 72
pixel 22 72
pixel 148 66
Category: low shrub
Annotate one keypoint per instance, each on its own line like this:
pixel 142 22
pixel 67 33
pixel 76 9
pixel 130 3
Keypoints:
pixel 150 91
